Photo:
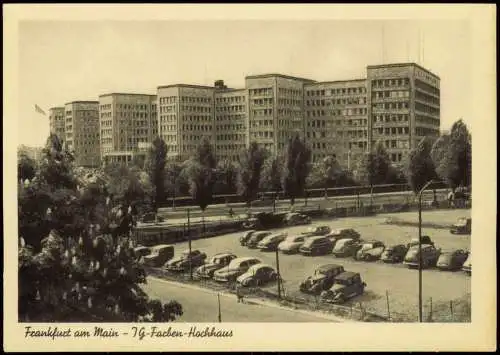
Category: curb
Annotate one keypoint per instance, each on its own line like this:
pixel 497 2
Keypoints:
pixel 255 301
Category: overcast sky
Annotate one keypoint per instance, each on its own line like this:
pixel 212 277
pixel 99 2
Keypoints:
pixel 79 60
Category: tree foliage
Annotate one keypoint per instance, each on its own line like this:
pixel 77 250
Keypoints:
pixel 226 177
pixel 419 165
pixel 201 172
pixel 26 167
pixel 296 167
pixel 249 170
pixel 452 156
pixel 373 167
pixel 156 161
pixel 272 172
pixel 76 257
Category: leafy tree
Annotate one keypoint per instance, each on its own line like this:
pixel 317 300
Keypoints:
pixel 452 156
pixel 420 167
pixel 250 163
pixel 77 263
pixel 272 172
pixel 226 177
pixel 201 172
pixel 26 167
pixel 175 184
pixel 296 168
pixel 157 160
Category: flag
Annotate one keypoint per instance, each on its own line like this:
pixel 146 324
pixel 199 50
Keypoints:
pixel 39 110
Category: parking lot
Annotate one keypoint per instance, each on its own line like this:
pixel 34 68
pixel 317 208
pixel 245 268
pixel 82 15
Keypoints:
pixel 397 280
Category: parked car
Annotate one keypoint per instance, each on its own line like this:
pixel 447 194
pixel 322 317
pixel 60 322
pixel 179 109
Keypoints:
pixel 141 251
pixel 317 231
pixel 254 240
pixel 430 255
pixel 452 259
pixel 216 262
pixel 462 226
pixel 394 253
pixel 151 217
pixel 317 245
pixel 235 268
pixel 468 265
pixel 347 285
pixel 346 247
pixel 160 254
pixel 425 239
pixel 344 233
pixel 370 251
pixel 194 259
pixel 271 242
pixel 257 275
pixel 296 219
pixel 292 244
pixel 322 279
pixel 244 238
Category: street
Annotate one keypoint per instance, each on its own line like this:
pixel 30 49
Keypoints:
pixel 201 306
pixel 400 283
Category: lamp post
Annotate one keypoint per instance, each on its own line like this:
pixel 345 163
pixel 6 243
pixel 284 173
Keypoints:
pixel 420 319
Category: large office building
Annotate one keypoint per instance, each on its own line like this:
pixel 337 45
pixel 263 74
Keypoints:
pixel 82 132
pixel 57 122
pixel 128 125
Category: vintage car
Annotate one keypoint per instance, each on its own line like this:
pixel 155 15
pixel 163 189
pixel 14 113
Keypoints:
pixel 394 253
pixel 317 231
pixel 216 262
pixel 296 219
pixel 316 245
pixel 292 244
pixel 452 259
pixel 370 251
pixel 150 217
pixel 141 251
pixel 430 256
pixel 468 265
pixel 160 254
pixel 244 238
pixel 343 233
pixel 322 279
pixel 346 247
pixel 462 226
pixel 257 275
pixel 235 268
pixel 186 260
pixel 270 243
pixel 425 239
pixel 254 240
pixel 347 285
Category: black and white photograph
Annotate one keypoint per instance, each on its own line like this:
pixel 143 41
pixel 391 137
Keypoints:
pixel 202 173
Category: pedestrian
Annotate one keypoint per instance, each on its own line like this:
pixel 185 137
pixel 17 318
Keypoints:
pixel 231 212
pixel 239 293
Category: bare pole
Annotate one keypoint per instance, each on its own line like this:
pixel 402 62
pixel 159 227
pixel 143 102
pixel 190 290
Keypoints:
pixel 189 241
pixel 218 301
pixel 278 270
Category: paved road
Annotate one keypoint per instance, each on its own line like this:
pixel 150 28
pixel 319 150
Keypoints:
pixel 202 306
pixel 400 282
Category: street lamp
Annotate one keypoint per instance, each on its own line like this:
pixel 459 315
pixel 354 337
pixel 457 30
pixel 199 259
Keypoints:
pixel 420 249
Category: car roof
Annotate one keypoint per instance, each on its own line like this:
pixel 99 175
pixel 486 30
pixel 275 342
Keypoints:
pixel 328 267
pixel 259 266
pixel 346 275
pixel 222 254
pixel 244 258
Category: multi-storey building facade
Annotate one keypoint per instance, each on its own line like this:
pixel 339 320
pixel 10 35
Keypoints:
pixel 57 122
pixel 82 132
pixel 128 125
pixel 231 123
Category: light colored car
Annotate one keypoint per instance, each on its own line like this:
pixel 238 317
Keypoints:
pixel 160 254
pixel 235 268
pixel 370 251
pixel 216 262
pixel 296 219
pixel 346 247
pixel 257 275
pixel 292 244
pixel 186 260
pixel 317 231
pixel 343 233
pixel 430 256
pixel 452 259
pixel 271 241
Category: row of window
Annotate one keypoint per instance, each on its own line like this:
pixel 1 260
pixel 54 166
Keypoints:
pixel 289 92
pixel 391 94
pixel 264 112
pixel 424 131
pixel 232 108
pixel 196 99
pixel 230 99
pixel 332 102
pixel 168 127
pixel 168 118
pixel 392 130
pixel 426 109
pixel 167 100
pixel 337 91
pixel 261 92
pixel 201 127
pixel 262 102
pixel 289 112
pixel 391 118
pixel 262 134
pixel 380 83
pixel 231 137
pixel 345 112
pixel 419 84
pixel 391 106
pixel 231 117
pixel 201 109
pixel 397 144
pixel 169 137
pixel 232 127
pixel 289 102
pixel 419 95
pixel 427 120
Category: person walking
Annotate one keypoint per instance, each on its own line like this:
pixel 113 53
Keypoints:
pixel 239 293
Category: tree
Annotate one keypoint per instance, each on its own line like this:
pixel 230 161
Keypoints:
pixel 452 156
pixel 272 172
pixel 226 177
pixel 175 185
pixel 373 167
pixel 78 263
pixel 331 172
pixel 419 165
pixel 201 175
pixel 26 167
pixel 250 163
pixel 157 160
pixel 296 168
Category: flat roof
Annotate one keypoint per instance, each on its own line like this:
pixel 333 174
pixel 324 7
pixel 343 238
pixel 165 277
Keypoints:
pixel 126 94
pixel 270 75
pixel 402 65
pixel 337 81
pixel 228 90
pixel 186 86
pixel 57 108
pixel 82 102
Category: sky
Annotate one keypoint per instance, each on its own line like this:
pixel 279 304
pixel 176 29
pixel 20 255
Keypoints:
pixel 63 61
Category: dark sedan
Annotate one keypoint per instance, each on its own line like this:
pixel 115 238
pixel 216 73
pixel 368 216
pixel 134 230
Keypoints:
pixel 452 259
